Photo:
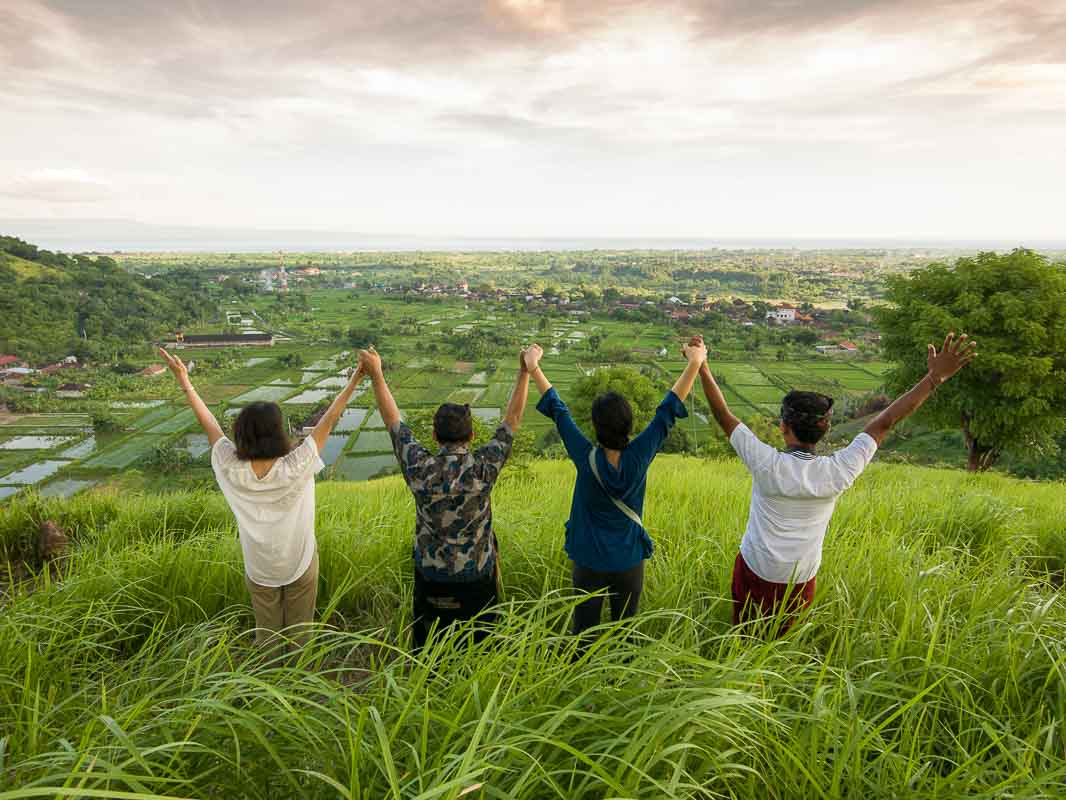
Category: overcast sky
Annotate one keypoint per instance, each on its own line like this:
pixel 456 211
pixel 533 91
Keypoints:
pixel 850 118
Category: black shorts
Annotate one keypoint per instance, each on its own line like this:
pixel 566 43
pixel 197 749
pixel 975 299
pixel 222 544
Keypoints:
pixel 440 603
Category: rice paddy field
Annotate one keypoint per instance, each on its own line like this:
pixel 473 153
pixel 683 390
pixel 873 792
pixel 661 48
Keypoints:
pixel 60 453
pixel 932 664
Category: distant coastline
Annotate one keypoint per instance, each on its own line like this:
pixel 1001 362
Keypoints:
pixel 107 236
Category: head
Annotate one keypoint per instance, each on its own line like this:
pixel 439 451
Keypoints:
pixel 259 432
pixel 453 425
pixel 805 417
pixel 612 417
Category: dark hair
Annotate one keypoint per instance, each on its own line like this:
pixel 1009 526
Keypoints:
pixel 259 432
pixel 612 417
pixel 807 414
pixel 453 424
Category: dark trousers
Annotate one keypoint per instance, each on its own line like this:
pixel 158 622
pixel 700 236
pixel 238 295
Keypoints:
pixel 623 588
pixel 438 604
pixel 755 598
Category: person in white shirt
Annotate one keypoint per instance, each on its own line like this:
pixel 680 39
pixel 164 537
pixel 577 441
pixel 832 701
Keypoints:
pixel 794 492
pixel 270 487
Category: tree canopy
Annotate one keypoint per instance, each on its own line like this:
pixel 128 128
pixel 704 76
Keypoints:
pixel 638 389
pixel 1014 306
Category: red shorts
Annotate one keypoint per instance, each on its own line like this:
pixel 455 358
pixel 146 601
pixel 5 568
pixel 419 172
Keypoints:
pixel 754 597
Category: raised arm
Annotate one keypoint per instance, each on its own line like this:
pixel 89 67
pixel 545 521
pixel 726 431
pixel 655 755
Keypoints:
pixel 516 406
pixel 953 356
pixel 325 425
pixel 531 358
pixel 695 352
pixel 553 407
pixel 725 418
pixel 370 363
pixel 199 407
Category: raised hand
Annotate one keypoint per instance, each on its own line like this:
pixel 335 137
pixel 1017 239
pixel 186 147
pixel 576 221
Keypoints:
pixel 177 366
pixel 370 362
pixel 531 357
pixel 695 351
pixel 953 356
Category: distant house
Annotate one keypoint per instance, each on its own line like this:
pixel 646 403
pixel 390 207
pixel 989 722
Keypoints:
pixel 73 390
pixel 7 362
pixel 70 362
pixel 152 371
pixel 783 314
pixel 222 340
pixel 842 349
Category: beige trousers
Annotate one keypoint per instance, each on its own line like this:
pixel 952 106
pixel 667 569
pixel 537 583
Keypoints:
pixel 279 607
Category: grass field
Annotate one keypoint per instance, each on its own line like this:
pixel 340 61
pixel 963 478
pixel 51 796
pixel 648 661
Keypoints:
pixel 932 664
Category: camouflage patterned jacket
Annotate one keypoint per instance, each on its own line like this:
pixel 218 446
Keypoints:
pixel 453 513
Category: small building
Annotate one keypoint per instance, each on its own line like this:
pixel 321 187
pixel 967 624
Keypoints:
pixel 247 339
pixel 152 371
pixel 8 362
pixel 783 314
pixel 73 390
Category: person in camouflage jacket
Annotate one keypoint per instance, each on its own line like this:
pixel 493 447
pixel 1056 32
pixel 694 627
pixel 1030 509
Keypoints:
pixel 455 549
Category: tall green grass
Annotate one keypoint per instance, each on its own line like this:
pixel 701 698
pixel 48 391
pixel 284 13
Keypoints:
pixel 932 664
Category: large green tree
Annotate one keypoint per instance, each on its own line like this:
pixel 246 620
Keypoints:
pixel 638 389
pixel 1014 306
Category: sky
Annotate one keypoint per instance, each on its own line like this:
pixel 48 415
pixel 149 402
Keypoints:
pixel 541 118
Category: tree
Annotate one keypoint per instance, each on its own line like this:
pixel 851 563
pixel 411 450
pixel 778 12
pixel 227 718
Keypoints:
pixel 636 388
pixel 1014 307
pixel 594 342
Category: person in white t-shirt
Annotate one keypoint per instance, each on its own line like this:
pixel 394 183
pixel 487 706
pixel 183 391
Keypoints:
pixel 270 487
pixel 794 492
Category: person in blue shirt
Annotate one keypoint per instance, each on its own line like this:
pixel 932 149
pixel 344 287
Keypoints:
pixel 605 535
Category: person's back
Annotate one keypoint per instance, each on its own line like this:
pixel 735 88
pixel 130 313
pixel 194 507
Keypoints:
pixel 456 575
pixel 275 512
pixel 605 534
pixel 793 496
pixel 794 493
pixel 453 508
pixel 270 487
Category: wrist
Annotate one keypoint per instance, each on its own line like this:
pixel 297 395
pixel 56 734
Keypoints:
pixel 933 379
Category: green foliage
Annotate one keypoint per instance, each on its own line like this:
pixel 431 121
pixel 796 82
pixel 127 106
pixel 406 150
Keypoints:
pixel 1014 306
pixel 88 305
pixel 930 666
pixel 638 389
pixel 168 459
pixel 104 420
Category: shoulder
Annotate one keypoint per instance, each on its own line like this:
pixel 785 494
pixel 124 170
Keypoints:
pixel 223 452
pixel 862 446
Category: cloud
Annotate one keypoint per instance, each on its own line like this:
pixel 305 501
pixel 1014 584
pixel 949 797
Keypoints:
pixel 58 186
pixel 218 98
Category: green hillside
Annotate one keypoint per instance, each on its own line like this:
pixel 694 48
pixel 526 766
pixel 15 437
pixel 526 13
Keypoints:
pixel 52 305
pixel 932 664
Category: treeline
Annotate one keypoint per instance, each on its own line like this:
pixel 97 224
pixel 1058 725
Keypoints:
pixel 53 304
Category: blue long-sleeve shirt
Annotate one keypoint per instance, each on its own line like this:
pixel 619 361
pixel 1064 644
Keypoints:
pixel 598 535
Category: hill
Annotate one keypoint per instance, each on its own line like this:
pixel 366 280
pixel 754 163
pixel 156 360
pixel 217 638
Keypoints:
pixel 932 664
pixel 53 304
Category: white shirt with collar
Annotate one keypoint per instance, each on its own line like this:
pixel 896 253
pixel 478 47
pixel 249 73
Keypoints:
pixel 793 495
pixel 275 514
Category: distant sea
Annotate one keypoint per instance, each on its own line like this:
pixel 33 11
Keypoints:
pixel 106 236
